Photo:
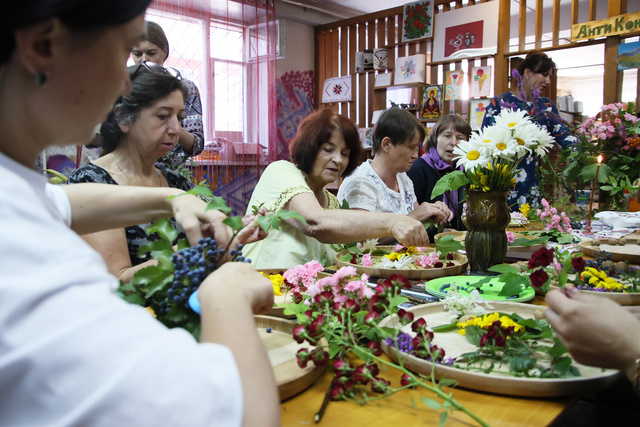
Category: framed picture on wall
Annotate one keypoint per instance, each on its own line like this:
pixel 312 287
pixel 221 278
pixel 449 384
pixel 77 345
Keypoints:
pixel 454 81
pixel 337 89
pixel 466 32
pixel 410 69
pixel 431 104
pixel 417 20
pixel 481 81
pixel 477 108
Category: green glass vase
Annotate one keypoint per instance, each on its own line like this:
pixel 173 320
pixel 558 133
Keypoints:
pixel 487 217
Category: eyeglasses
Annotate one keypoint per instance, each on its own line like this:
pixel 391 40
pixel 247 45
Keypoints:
pixel 156 69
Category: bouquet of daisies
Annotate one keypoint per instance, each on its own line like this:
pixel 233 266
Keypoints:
pixel 490 158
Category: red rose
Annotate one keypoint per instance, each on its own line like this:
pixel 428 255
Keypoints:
pixel 538 278
pixel 541 258
pixel 578 263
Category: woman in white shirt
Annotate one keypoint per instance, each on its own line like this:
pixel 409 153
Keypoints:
pixel 382 184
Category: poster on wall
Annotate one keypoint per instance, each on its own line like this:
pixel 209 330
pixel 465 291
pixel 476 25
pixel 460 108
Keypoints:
pixel 454 81
pixel 337 89
pixel 481 81
pixel 417 20
pixel 366 137
pixel 409 69
pixel 477 107
pixel 467 32
pixel 383 79
pixel 431 105
pixel 628 56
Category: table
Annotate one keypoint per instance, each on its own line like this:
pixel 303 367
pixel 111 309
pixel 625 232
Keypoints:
pixel 397 410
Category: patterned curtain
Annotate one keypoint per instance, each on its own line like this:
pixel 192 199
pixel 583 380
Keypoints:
pixel 228 49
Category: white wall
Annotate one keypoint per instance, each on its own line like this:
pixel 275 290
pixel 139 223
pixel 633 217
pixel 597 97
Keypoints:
pixel 299 48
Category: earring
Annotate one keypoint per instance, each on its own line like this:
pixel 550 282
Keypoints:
pixel 40 78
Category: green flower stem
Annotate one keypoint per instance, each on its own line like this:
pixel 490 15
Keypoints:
pixel 433 388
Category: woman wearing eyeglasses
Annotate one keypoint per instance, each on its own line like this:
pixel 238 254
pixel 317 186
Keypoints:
pixel 143 126
pixel 155 48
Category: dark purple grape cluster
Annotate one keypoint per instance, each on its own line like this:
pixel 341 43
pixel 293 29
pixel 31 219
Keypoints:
pixel 191 266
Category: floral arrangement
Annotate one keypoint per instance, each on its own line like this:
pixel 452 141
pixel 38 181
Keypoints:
pixel 368 254
pixel 526 347
pixel 613 133
pixel 557 267
pixel 491 157
pixel 339 316
pixel 165 288
pixel 556 227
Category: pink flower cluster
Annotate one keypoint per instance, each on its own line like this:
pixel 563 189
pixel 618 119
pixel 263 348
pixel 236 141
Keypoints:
pixel 366 260
pixel 511 237
pixel 551 220
pixel 613 121
pixel 300 277
pixel 428 260
pixel 342 286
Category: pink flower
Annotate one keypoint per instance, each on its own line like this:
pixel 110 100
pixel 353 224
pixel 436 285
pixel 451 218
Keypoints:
pixel 510 237
pixel 397 248
pixel 366 292
pixel 366 260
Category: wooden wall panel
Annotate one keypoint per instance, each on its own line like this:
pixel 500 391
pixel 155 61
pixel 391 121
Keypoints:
pixel 384 29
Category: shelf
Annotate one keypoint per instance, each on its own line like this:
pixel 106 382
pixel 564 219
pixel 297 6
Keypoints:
pixel 404 86
pixel 381 70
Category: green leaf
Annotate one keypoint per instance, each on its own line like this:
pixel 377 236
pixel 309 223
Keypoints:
pixel 431 403
pixel 164 229
pixel 504 268
pixel 397 300
pixel 134 299
pixel 451 181
pixel 345 204
pixel 218 203
pixel 447 244
pixel 443 418
pixel 413 403
pixel 151 279
pixel 513 286
pixel 177 314
pixel 235 222
pixel 445 328
pixel 256 208
pixel 474 334
pixel 447 382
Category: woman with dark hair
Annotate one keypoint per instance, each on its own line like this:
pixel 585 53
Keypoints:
pixel 326 147
pixel 71 351
pixel 143 126
pixel 382 184
pixel 437 161
pixel 534 76
pixel 154 47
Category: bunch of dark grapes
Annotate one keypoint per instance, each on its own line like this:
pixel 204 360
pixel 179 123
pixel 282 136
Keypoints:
pixel 576 225
pixel 191 266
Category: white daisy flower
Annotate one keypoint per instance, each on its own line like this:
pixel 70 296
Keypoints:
pixel 502 144
pixel 471 154
pixel 544 142
pixel 512 119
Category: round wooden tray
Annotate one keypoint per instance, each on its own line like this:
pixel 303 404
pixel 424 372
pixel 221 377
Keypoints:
pixel 281 349
pixel 627 252
pixel 455 344
pixel 524 252
pixel 411 274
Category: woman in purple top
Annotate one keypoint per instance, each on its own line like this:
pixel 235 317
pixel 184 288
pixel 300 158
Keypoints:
pixel 437 161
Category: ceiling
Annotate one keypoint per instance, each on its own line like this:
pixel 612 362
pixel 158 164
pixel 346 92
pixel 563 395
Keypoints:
pixel 318 12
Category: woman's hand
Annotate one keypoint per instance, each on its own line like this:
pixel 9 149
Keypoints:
pixel 439 210
pixel 239 279
pixel 252 232
pixel 197 222
pixel 409 232
pixel 595 330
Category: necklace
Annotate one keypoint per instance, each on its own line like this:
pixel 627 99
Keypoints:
pixel 129 178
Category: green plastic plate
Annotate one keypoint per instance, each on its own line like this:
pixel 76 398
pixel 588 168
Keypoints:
pixel 490 291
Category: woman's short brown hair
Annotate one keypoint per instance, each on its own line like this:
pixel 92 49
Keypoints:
pixel 398 125
pixel 454 121
pixel 315 130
